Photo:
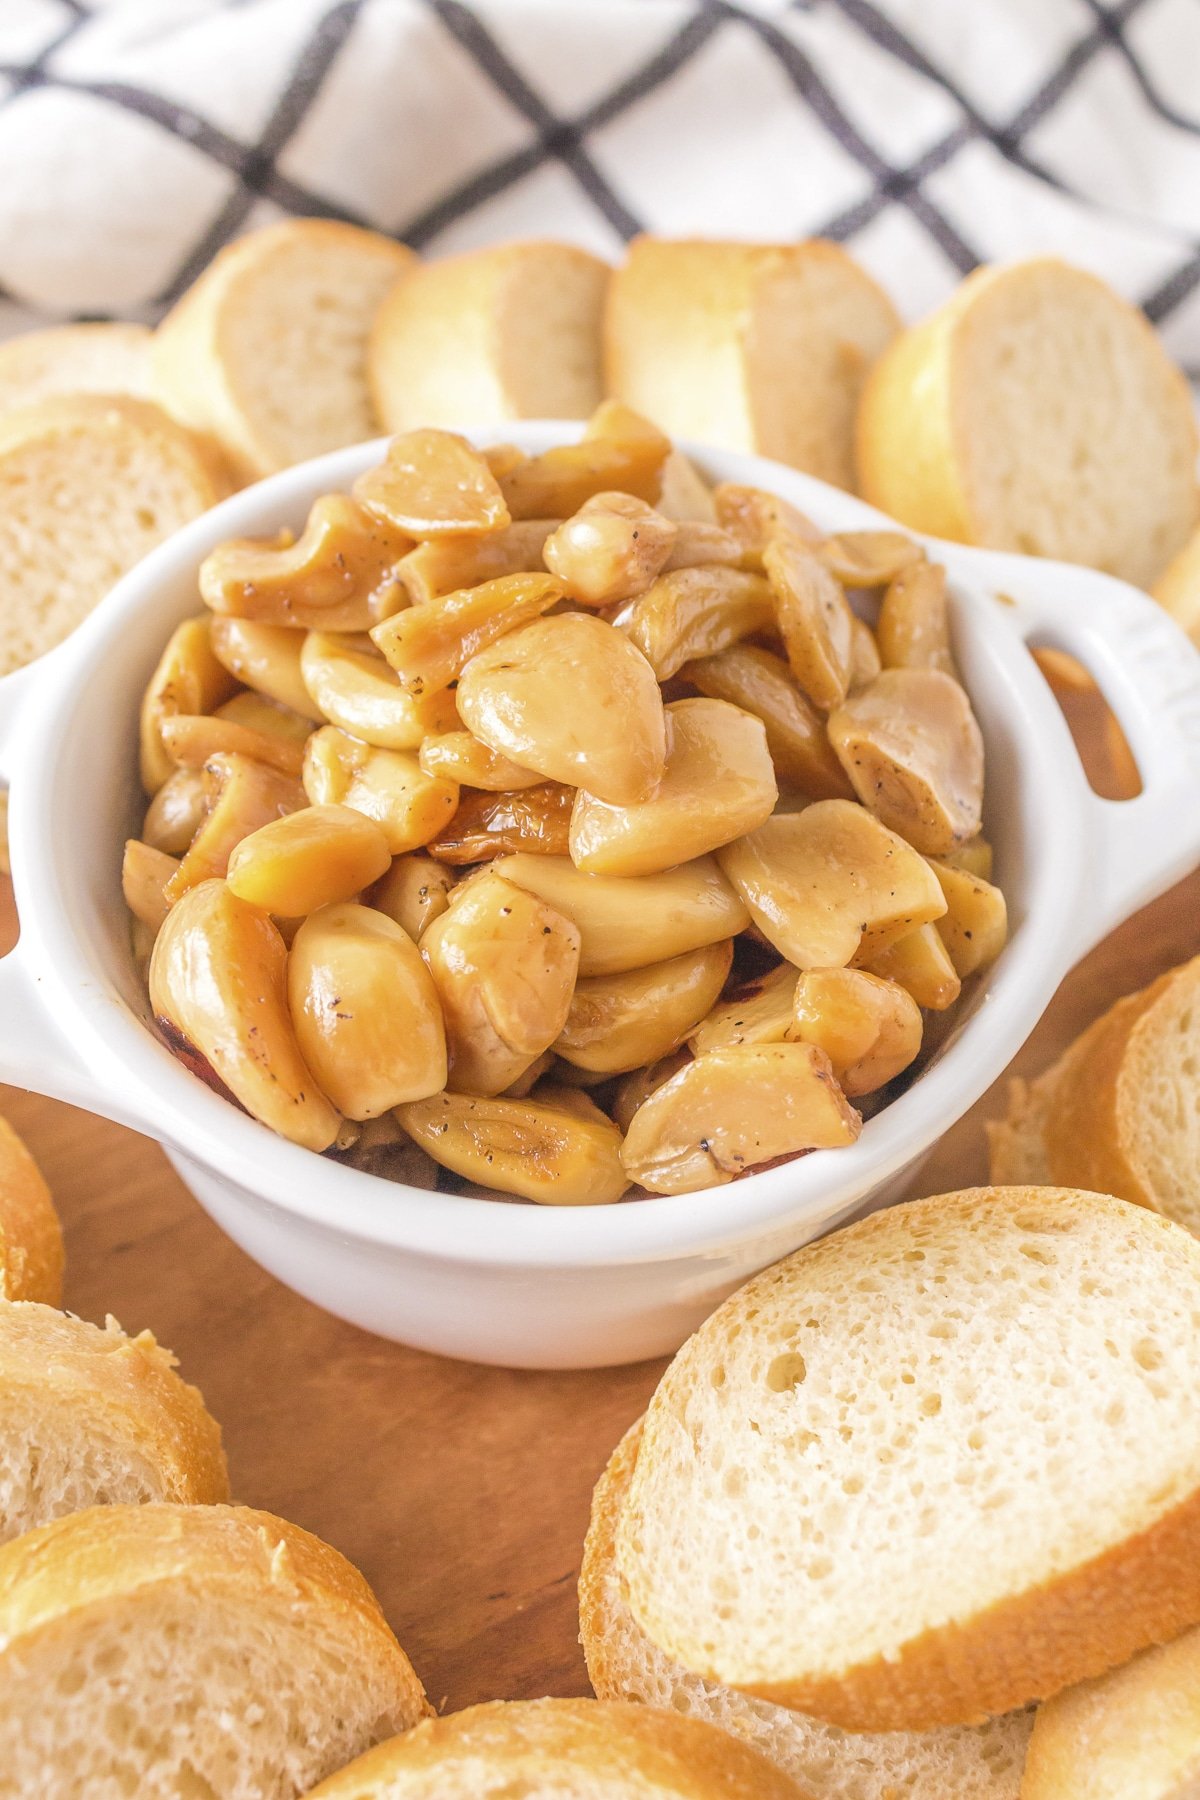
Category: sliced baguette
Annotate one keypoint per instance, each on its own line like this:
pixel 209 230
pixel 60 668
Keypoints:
pixel 561 1750
pixel 1131 1735
pixel 760 347
pixel 92 1417
pixel 1035 411
pixel 507 333
pixel 1178 587
pixel 931 1468
pixel 961 1762
pixel 31 1244
pixel 106 358
pixel 88 484
pixel 267 351
pixel 1120 1110
pixel 204 1651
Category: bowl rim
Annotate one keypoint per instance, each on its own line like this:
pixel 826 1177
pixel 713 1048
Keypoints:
pixel 161 1097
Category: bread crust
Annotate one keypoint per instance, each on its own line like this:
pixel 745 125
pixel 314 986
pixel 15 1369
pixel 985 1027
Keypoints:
pixel 31 1243
pixel 196 456
pixel 192 373
pixel 916 434
pixel 519 1746
pixel 125 1388
pixel 1135 1732
pixel 53 1579
pixel 103 358
pixel 453 329
pixel 1057 1630
pixel 1077 1120
pixel 693 339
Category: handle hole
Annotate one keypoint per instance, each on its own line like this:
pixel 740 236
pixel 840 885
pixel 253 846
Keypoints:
pixel 1108 762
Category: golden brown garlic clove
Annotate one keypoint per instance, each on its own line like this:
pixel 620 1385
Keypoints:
pixel 919 963
pixel 913 750
pixel 365 1011
pixel 442 565
pixel 459 756
pixel 629 923
pixel 761 683
pixel 388 786
pixel 504 965
pixel 830 881
pixel 718 783
pixel 240 795
pixel 610 550
pixel 730 1110
pixel 413 891
pixel 618 1022
pixel 814 621
pixel 218 983
pixel 429 645
pixel 359 692
pixel 914 622
pixel 540 1150
pixel 756 1012
pixel 433 482
pixel 696 612
pixel 145 873
pixel 974 927
pixel 570 697
pixel 869 1028
pixel 309 859
pixel 339 575
pixel 267 659
pixel 191 677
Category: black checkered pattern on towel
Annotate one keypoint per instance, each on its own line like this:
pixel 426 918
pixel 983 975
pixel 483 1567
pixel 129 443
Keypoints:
pixel 137 136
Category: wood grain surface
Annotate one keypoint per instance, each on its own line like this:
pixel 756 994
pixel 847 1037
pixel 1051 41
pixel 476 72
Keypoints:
pixel 462 1492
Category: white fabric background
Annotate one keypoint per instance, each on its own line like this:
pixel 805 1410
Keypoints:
pixel 137 135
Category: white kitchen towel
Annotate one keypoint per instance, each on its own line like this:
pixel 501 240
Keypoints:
pixel 136 136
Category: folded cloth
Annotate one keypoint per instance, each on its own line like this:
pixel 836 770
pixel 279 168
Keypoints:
pixel 137 136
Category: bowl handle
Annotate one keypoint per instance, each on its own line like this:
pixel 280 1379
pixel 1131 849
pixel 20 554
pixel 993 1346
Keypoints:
pixel 34 1053
pixel 1149 672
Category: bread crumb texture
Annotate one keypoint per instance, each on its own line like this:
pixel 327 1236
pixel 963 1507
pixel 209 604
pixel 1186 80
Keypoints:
pixel 1035 411
pixel 90 1416
pixel 933 1467
pixel 173 1653
pixel 959 1762
pixel 89 485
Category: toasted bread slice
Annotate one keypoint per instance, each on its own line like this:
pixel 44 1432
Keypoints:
pixel 1178 587
pixel 931 1468
pixel 198 1650
pixel 106 358
pixel 967 1762
pixel 91 1416
pixel 1131 1735
pixel 31 1244
pixel 507 333
pixel 88 484
pixel 561 1750
pixel 1118 1111
pixel 267 351
pixel 760 347
pixel 1035 411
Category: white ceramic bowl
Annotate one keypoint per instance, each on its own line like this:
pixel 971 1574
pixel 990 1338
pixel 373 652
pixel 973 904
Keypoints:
pixel 542 1286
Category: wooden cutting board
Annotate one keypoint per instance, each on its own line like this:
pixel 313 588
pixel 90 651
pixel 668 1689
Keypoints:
pixel 462 1492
